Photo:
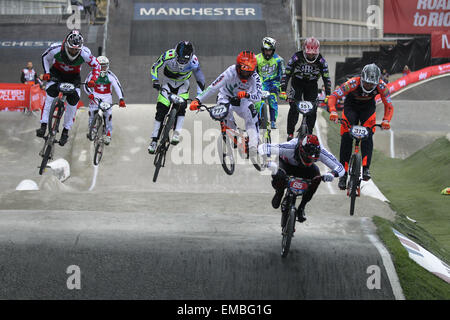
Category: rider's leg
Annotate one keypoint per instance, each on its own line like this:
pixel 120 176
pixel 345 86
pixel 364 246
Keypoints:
pixel 162 108
pixel 183 92
pixel 279 183
pixel 273 103
pixel 292 119
pixel 248 112
pixel 69 115
pixel 368 119
pixel 310 94
pixel 93 109
pixel 52 93
pixel 308 173
pixel 352 116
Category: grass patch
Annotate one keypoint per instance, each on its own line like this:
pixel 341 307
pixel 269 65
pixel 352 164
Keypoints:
pixel 413 187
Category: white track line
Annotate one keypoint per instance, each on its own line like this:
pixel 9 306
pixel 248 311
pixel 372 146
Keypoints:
pixel 392 144
pixel 330 188
pixel 386 258
pixel 94 178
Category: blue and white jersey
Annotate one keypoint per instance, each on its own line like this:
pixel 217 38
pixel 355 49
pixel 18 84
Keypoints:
pixel 286 151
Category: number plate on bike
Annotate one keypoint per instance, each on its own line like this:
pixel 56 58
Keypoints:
pixel 105 106
pixel 66 87
pixel 359 132
pixel 305 107
pixel 298 186
pixel 219 112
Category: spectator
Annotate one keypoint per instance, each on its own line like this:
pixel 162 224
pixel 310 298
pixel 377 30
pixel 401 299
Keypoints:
pixel 29 76
pixel 90 7
pixel 406 70
pixel 385 76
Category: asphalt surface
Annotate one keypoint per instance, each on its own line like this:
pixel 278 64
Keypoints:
pixel 195 234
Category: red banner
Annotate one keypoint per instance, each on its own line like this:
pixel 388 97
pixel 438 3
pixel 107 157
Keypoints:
pixel 416 76
pixel 440 44
pixel 14 96
pixel 416 16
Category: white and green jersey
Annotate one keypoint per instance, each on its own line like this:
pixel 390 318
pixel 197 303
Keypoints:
pixel 176 72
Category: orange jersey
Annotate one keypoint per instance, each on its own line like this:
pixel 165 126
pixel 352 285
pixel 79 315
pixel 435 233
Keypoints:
pixel 354 94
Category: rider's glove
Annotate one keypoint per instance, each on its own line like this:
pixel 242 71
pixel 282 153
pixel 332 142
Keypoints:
pixel 46 77
pixel 156 85
pixel 194 104
pixel 235 101
pixel 385 125
pixel 243 94
pixel 334 116
pixel 283 95
pixel 328 177
pixel 91 97
pixel 91 84
pixel 122 103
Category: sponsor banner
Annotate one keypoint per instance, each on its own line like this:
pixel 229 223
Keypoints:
pixel 424 258
pixel 25 43
pixel 440 44
pixel 37 97
pixel 197 11
pixel 14 96
pixel 414 77
pixel 416 16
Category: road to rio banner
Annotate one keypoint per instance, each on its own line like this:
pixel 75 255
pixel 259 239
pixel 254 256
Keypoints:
pixel 416 16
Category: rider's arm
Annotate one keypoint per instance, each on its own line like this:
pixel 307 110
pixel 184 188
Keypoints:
pixel 47 57
pixel 288 72
pixel 386 98
pixel 331 162
pixel 325 75
pixel 215 86
pixel 160 62
pixel 255 91
pixel 342 91
pixel 281 69
pixel 85 87
pixel 92 62
pixel 199 76
pixel 116 84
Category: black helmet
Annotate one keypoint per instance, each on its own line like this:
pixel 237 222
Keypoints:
pixel 184 51
pixel 307 150
pixel 73 43
pixel 370 76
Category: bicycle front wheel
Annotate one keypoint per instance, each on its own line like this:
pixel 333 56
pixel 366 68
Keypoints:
pixel 288 232
pixel 355 172
pixel 45 159
pixel 56 112
pixel 226 154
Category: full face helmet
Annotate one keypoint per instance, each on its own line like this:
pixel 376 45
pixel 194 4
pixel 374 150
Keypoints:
pixel 245 65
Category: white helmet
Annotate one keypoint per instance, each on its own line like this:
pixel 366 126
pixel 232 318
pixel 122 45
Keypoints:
pixel 73 43
pixel 104 63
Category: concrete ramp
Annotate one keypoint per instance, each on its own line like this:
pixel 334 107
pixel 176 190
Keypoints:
pixel 421 115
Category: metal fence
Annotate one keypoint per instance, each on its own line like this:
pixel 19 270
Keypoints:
pixel 30 7
pixel 345 27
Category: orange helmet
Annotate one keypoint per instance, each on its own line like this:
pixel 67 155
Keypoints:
pixel 245 65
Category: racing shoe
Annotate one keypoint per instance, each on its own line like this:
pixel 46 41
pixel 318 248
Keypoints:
pixel 366 174
pixel 276 200
pixel 108 138
pixel 273 125
pixel 152 147
pixel 175 138
pixel 290 137
pixel 343 182
pixel 41 131
pixel 64 137
pixel 301 217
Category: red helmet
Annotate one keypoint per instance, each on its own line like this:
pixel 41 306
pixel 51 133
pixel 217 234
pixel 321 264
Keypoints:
pixel 311 49
pixel 245 65
pixel 307 150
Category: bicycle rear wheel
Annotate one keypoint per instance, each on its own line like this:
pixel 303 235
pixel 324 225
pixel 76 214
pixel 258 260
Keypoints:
pixel 98 141
pixel 355 171
pixel 95 126
pixel 288 231
pixel 45 159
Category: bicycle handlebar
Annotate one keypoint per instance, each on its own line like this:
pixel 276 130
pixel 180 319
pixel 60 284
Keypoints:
pixel 343 120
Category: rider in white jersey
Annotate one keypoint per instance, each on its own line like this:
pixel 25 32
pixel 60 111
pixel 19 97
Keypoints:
pixel 240 86
pixel 178 65
pixel 103 90
pixel 297 158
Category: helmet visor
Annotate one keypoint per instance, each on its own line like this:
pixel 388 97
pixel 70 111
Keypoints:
pixel 368 87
